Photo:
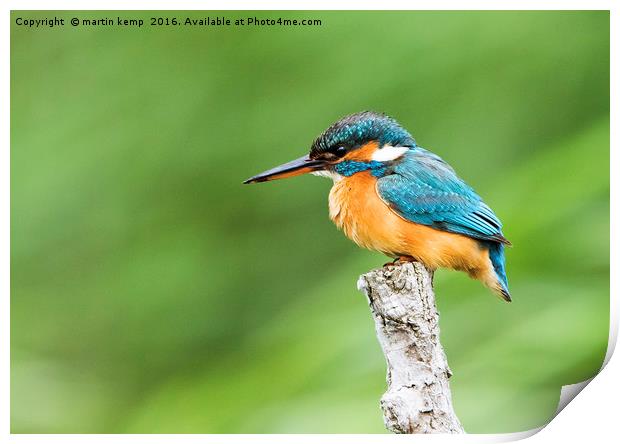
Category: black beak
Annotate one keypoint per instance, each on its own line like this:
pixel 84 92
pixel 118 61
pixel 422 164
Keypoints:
pixel 296 167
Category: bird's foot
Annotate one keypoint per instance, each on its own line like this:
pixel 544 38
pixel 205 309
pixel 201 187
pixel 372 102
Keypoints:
pixel 400 260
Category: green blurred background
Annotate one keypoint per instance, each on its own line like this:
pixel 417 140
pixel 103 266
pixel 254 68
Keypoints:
pixel 152 292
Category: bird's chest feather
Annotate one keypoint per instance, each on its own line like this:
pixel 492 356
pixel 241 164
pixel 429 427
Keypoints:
pixel 356 209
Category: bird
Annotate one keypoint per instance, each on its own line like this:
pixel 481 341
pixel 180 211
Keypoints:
pixel 392 196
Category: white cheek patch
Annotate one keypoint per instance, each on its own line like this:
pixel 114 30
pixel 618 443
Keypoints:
pixel 329 174
pixel 389 152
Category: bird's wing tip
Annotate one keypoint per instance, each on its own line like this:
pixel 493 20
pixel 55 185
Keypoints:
pixel 505 296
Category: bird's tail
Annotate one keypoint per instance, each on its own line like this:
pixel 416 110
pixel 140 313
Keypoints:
pixel 496 254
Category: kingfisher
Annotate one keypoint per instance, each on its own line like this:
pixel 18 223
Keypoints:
pixel 392 196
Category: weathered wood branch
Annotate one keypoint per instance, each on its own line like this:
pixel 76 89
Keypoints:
pixel 402 302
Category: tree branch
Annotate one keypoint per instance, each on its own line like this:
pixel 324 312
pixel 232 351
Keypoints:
pixel 402 302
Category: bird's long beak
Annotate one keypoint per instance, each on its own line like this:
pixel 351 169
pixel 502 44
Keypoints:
pixel 296 167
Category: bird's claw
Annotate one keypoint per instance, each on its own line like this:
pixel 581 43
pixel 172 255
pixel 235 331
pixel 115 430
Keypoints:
pixel 399 260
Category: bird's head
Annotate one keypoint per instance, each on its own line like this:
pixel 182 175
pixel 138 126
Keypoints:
pixel 359 142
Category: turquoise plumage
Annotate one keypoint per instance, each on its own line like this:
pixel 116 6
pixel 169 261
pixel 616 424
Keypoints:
pixel 424 189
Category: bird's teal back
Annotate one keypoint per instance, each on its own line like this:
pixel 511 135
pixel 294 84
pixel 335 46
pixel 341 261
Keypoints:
pixel 424 189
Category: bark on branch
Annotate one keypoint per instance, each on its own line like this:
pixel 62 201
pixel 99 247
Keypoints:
pixel 402 302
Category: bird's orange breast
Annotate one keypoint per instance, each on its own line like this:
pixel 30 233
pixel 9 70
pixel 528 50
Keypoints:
pixel 356 208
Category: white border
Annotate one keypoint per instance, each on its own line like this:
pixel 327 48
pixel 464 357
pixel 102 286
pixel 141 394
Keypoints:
pixel 577 422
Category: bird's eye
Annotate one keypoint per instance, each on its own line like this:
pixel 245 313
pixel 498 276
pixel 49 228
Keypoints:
pixel 340 151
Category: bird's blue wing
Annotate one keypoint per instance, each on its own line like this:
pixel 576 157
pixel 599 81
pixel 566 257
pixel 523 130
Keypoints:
pixel 424 189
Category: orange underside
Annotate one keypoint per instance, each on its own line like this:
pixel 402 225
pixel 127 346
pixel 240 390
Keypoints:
pixel 356 208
